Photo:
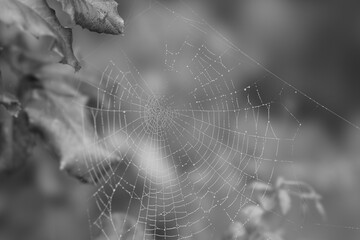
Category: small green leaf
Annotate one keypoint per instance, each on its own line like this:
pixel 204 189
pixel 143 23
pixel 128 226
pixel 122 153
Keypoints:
pixel 97 16
pixel 236 231
pixel 254 213
pixel 267 202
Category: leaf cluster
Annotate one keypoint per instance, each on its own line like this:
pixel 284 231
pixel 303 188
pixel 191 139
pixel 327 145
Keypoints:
pixel 262 220
pixel 42 105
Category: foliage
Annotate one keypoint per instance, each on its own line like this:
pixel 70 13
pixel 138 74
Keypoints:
pixel 35 17
pixel 262 220
pixel 41 108
pixel 97 16
pixel 64 35
pixel 66 127
pixel 41 100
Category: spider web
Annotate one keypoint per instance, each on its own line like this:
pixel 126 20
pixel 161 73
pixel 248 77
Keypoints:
pixel 193 138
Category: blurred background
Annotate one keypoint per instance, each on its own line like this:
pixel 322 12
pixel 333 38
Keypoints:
pixel 313 46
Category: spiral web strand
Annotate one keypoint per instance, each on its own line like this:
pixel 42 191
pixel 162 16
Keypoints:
pixel 188 154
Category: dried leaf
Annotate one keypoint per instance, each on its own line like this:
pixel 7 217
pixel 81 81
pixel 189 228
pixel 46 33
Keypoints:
pixel 94 15
pixel 59 111
pixel 16 14
pixel 11 103
pixel 64 34
pixel 284 201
